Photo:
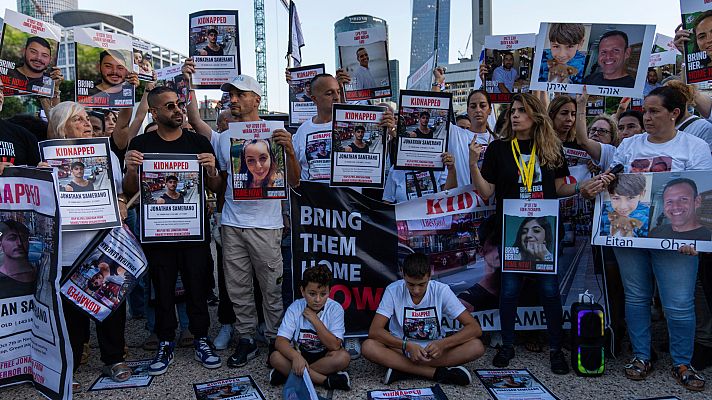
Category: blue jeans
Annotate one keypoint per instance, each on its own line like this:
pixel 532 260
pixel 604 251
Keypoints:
pixel 675 275
pixel 549 296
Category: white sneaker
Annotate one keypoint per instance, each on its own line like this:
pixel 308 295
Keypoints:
pixel 353 346
pixel 222 340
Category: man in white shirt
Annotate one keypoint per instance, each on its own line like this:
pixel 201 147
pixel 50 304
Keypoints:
pixel 362 78
pixel 504 76
pixel 406 336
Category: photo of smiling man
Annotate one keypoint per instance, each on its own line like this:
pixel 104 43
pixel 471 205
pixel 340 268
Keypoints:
pixel 681 201
pixel 613 55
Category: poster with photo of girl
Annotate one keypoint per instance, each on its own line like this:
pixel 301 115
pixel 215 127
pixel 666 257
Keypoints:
pixel 529 236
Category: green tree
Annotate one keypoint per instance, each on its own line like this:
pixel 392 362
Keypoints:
pixel 12 106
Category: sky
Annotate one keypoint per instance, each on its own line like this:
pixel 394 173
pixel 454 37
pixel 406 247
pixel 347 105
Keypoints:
pixel 166 23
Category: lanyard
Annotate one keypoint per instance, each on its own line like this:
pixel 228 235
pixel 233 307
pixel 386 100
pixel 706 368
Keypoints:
pixel 525 171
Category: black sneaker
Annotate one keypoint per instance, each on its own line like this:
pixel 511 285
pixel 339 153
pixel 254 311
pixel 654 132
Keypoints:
pixel 213 299
pixel 245 351
pixel 453 375
pixel 276 378
pixel 339 380
pixel 559 365
pixel 392 375
pixel 504 354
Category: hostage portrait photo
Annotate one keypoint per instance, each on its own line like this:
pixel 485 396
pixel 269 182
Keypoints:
pixel 422 123
pixel 101 77
pixel 103 279
pixel 367 65
pixel 509 65
pixel 318 149
pixel 681 207
pixel 357 137
pixel 697 18
pixel 625 210
pixel 170 188
pixel 143 61
pixel 257 164
pixel 213 40
pixel 33 57
pixel 530 243
pixel 86 174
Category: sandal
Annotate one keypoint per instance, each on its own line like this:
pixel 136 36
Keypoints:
pixel 119 372
pixel 686 376
pixel 76 387
pixel 638 369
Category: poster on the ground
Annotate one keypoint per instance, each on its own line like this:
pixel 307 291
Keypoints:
pixel 172 77
pixel 105 273
pixel 243 388
pixel 655 210
pixel 358 146
pixel 143 59
pixel 34 346
pixel 214 44
pixel 301 105
pixel 363 54
pixel 256 163
pixel 697 19
pixel 530 232
pixel 352 234
pixel 511 384
pixel 171 198
pixel 509 63
pixel 609 59
pixel 87 192
pixel 28 51
pixel 139 378
pixel 422 131
pixel 428 393
pixel 103 60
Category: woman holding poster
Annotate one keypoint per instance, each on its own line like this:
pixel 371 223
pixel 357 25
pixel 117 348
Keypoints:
pixel 674 271
pixel 527 162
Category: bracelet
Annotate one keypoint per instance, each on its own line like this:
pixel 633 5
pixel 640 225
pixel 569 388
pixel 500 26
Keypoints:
pixel 405 341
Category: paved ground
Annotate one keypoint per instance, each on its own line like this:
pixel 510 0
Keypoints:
pixel 177 382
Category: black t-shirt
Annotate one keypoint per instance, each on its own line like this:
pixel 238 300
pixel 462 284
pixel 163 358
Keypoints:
pixel 356 149
pixel 17 145
pixel 665 232
pixel 170 200
pixel 598 80
pixel 420 135
pixel 120 153
pixel 211 52
pixel 188 143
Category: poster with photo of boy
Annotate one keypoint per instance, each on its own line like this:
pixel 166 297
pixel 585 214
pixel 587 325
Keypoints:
pixel 509 64
pixel 697 19
pixel 358 154
pixel 599 56
pixel 214 44
pixel 301 106
pixel 529 236
pixel 364 55
pixel 655 210
pixel 28 52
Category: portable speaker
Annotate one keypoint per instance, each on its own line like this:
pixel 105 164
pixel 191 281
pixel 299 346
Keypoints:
pixel 587 335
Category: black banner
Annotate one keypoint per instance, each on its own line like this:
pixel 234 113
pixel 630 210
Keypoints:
pixel 353 235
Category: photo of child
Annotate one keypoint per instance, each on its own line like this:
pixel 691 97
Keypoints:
pixel 626 210
pixel 564 58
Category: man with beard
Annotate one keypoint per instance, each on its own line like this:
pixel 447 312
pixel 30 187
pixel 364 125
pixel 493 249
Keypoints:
pixel 213 48
pixel 113 84
pixel 504 76
pixel 651 82
pixel 36 57
pixel 17 275
pixel 165 260
pixel 613 54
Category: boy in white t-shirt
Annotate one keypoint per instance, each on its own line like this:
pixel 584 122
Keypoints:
pixel 311 335
pixel 414 343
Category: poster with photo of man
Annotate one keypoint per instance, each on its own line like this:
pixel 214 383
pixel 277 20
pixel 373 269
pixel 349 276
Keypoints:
pixel 301 106
pixel 662 210
pixel 610 59
pixel 529 236
pixel 509 63
pixel 242 387
pixel 358 153
pixel 28 51
pixel 422 132
pixel 661 65
pixel 105 273
pixel 104 59
pixel 143 60
pixel 364 55
pixel 172 198
pixel 258 170
pixel 87 196
pixel 214 44
pixel 510 384
pixel 172 77
pixel 697 19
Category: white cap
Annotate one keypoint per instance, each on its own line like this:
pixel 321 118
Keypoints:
pixel 245 83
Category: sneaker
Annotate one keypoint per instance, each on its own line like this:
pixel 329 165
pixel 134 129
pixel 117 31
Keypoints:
pixel 151 343
pixel 393 375
pixel 353 346
pixel 453 375
pixel 164 358
pixel 504 354
pixel 559 365
pixel 222 340
pixel 260 333
pixel 212 299
pixel 339 380
pixel 205 354
pixel 246 350
pixel 276 378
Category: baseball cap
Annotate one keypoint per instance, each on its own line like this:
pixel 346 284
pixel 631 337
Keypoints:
pixel 243 82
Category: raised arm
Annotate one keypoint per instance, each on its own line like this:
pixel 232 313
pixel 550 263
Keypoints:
pixel 126 129
pixel 194 119
pixel 592 147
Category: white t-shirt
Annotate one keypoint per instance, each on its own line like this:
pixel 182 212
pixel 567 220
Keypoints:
pixel 297 329
pixel 263 214
pixel 683 153
pixel 607 153
pixel 362 79
pixel 73 243
pixel 400 184
pixel 701 128
pixel 419 322
pixel 459 146
pixel 307 142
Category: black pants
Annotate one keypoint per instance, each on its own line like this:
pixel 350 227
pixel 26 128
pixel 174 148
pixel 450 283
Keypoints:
pixel 109 332
pixel 603 256
pixel 704 272
pixel 192 262
pixel 226 315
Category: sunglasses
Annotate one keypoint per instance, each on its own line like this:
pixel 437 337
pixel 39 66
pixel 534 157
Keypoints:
pixel 173 106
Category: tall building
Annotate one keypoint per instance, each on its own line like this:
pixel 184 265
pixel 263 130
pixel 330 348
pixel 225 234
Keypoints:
pixel 481 25
pixel 45 9
pixel 422 38
pixel 394 68
pixel 355 22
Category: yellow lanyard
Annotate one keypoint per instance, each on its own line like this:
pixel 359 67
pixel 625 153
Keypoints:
pixel 525 171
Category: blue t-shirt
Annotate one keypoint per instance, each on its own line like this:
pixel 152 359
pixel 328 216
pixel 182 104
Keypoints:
pixel 641 213
pixel 578 62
